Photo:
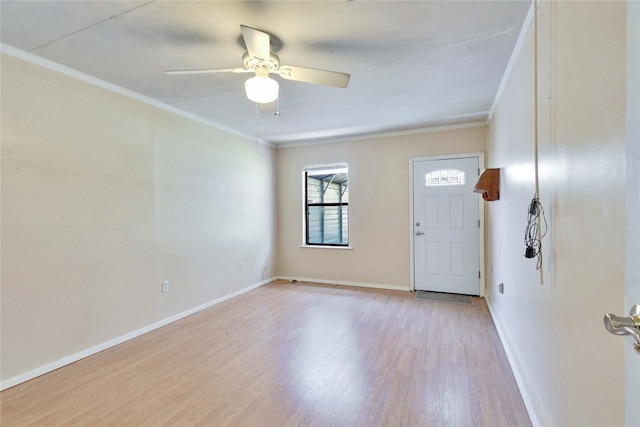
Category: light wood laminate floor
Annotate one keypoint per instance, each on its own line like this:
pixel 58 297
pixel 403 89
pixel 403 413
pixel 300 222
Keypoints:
pixel 290 354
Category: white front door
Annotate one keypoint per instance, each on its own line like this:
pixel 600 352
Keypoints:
pixel 446 226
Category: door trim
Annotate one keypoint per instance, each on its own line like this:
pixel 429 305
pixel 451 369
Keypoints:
pixel 632 279
pixel 412 161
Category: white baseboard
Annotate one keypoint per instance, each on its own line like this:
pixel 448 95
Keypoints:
pixel 536 411
pixel 18 379
pixel 345 283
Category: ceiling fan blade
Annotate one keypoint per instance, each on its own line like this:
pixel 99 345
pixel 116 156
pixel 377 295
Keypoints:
pixel 312 75
pixel 257 42
pixel 208 71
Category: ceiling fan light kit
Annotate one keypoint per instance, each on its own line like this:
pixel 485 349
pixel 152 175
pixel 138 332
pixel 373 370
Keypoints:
pixel 260 60
pixel 261 89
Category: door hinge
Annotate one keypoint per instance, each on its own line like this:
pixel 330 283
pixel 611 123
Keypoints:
pixel 479 275
pixel 478 223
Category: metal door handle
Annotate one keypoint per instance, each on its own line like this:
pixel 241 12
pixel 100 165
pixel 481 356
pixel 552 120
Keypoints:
pixel 419 233
pixel 618 325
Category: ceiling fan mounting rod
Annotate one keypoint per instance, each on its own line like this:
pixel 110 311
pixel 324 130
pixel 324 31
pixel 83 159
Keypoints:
pixel 261 71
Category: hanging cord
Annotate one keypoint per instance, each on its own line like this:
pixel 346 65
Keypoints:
pixel 256 123
pixel 277 113
pixel 535 95
pixel 535 231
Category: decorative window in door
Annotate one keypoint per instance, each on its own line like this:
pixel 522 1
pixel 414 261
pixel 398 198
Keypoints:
pixel 445 177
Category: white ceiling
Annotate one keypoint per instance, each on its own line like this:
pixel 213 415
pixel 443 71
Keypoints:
pixel 413 64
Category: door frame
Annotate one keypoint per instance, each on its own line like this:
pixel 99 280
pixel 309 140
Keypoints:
pixel 414 160
pixel 632 249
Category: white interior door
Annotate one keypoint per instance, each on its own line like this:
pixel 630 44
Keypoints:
pixel 446 226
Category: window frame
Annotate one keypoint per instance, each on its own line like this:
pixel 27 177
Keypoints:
pixel 306 205
pixel 440 172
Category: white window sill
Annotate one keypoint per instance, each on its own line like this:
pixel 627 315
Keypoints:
pixel 326 247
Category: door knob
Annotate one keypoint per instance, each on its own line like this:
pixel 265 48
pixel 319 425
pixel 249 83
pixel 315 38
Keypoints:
pixel 419 233
pixel 625 325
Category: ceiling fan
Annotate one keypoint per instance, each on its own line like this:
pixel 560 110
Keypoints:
pixel 260 60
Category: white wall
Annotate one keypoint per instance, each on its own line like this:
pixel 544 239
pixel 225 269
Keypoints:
pixel 571 371
pixel 378 205
pixel 103 198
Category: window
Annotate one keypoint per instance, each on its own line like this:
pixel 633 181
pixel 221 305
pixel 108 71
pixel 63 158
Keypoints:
pixel 326 195
pixel 444 177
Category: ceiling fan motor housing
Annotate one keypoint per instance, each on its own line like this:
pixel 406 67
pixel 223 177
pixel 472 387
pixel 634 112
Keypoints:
pixel 254 63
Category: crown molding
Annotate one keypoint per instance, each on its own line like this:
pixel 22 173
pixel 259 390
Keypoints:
pixel 59 68
pixel 515 54
pixel 362 137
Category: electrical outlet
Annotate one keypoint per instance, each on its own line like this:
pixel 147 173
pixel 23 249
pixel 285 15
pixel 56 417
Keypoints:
pixel 241 265
pixel 501 287
pixel 165 286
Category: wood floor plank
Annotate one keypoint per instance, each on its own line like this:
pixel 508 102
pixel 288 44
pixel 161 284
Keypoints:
pixel 290 354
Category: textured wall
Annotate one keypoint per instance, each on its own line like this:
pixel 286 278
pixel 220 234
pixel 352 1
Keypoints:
pixel 552 323
pixel 378 204
pixel 103 198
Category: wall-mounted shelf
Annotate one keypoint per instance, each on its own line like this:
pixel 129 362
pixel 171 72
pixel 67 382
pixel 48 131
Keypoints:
pixel 489 184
